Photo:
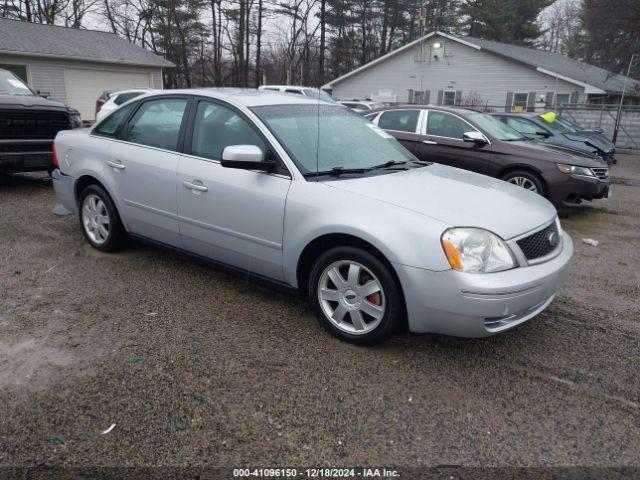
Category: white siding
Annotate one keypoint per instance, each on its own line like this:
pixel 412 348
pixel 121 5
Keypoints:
pixel 48 75
pixel 458 67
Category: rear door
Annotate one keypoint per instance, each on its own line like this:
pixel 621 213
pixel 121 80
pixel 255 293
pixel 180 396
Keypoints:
pixel 144 160
pixel 442 142
pixel 404 125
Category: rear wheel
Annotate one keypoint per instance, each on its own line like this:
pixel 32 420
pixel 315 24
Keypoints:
pixel 527 180
pixel 355 296
pixel 99 220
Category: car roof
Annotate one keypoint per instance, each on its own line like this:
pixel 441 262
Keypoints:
pixel 247 96
pixel 298 87
pixel 136 90
pixel 405 106
pixel 518 114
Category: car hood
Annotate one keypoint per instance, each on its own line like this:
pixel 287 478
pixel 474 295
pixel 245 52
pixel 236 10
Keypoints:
pixel 590 139
pixel 30 101
pixel 457 197
pixel 540 150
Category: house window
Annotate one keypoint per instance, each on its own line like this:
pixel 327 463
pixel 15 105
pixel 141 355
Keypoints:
pixel 520 102
pixel 449 97
pixel 562 99
pixel 419 97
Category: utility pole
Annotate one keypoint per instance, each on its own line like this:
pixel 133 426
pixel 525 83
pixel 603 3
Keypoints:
pixel 624 88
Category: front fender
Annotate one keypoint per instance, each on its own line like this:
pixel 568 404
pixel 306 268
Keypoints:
pixel 402 236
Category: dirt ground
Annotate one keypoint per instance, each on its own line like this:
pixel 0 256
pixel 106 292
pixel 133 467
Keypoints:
pixel 198 366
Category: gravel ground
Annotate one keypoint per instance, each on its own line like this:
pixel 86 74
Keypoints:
pixel 198 366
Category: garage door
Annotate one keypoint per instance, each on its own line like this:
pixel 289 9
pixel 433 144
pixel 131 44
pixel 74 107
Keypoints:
pixel 85 86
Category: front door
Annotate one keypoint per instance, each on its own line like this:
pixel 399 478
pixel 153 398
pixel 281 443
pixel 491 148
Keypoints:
pixel 442 142
pixel 230 215
pixel 144 161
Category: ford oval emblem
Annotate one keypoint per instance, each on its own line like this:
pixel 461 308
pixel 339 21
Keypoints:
pixel 554 239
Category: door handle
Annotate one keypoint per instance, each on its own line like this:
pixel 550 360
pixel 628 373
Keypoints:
pixel 195 187
pixel 115 165
pixel 429 142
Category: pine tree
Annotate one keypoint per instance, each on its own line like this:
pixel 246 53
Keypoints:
pixel 509 21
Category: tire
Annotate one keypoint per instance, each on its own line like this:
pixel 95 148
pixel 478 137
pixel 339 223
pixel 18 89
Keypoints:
pixel 369 316
pixel 526 179
pixel 94 203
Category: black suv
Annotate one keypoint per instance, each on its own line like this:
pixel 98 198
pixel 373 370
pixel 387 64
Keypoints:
pixel 28 125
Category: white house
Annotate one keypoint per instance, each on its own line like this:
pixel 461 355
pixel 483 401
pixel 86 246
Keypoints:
pixel 441 68
pixel 75 66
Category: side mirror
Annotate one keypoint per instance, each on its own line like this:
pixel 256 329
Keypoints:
pixel 43 94
pixel 475 137
pixel 245 157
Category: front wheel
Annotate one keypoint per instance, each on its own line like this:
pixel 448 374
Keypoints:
pixel 355 296
pixel 527 180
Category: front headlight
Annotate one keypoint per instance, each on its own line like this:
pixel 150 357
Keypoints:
pixel 476 250
pixel 76 121
pixel 575 170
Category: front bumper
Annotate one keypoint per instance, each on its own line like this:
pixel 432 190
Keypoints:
pixel 572 189
pixel 25 155
pixel 479 305
pixel 64 187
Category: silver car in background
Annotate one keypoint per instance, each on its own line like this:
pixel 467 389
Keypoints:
pixel 310 195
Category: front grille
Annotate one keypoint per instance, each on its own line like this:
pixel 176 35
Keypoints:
pixel 541 243
pixel 32 124
pixel 601 173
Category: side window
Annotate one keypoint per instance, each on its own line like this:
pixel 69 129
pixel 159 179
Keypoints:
pixel 157 123
pixel 109 126
pixel 125 97
pixel 217 127
pixel 441 124
pixel 523 126
pixel 399 120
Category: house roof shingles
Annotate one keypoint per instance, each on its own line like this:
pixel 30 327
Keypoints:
pixel 559 64
pixel 91 45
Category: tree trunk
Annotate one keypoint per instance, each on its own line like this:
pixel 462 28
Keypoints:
pixel 258 73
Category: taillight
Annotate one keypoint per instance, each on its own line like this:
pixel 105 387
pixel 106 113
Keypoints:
pixel 99 104
pixel 54 155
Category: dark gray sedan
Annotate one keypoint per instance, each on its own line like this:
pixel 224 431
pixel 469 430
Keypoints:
pixel 560 133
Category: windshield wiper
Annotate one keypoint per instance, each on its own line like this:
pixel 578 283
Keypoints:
pixel 390 163
pixel 337 171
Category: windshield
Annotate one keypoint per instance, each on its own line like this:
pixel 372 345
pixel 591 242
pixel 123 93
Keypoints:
pixel 573 127
pixel 311 92
pixel 10 84
pixel 320 138
pixel 495 127
pixel 556 126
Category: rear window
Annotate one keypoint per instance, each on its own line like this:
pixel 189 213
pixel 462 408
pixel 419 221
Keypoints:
pixel 400 120
pixel 157 123
pixel 109 126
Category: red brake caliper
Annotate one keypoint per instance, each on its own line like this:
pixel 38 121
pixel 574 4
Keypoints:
pixel 374 298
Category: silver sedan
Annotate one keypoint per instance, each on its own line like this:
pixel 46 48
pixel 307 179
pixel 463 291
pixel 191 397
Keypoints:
pixel 309 195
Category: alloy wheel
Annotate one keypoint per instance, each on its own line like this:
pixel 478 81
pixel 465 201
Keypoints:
pixel 95 219
pixel 351 297
pixel 524 182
